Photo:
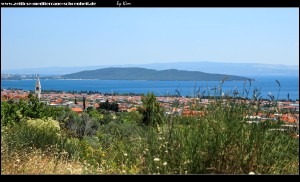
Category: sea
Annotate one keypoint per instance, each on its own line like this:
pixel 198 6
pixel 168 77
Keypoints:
pixel 263 86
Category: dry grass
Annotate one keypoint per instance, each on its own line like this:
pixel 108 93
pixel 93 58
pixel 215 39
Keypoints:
pixel 37 162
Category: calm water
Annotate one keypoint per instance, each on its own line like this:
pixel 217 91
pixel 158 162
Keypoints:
pixel 268 85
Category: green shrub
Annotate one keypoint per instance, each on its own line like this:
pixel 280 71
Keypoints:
pixel 151 111
pixel 44 134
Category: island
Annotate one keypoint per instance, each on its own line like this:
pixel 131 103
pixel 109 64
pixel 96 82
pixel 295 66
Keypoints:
pixel 115 73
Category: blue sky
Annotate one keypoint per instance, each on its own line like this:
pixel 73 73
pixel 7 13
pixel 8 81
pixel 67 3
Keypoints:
pixel 64 37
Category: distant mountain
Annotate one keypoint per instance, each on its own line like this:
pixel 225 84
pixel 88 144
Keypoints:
pixel 149 74
pixel 242 69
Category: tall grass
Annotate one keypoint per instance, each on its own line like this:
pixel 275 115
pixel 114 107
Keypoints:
pixel 219 143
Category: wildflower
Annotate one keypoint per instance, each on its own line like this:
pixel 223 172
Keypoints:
pixel 165 163
pixel 156 159
pixel 251 173
pixel 125 154
pixel 18 160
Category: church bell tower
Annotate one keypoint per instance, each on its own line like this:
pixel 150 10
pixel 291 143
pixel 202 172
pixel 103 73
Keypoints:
pixel 38 88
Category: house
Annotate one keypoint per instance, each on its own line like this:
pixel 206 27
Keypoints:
pixel 77 110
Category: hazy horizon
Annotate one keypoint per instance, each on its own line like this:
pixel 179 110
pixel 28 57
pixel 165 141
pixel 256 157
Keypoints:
pixel 241 69
pixel 137 64
pixel 81 37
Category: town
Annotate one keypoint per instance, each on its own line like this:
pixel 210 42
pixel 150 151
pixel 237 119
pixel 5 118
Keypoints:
pixel 286 111
pixel 172 105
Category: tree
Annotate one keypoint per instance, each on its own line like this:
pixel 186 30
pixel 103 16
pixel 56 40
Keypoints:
pixel 9 113
pixel 151 111
pixel 84 98
pixel 109 106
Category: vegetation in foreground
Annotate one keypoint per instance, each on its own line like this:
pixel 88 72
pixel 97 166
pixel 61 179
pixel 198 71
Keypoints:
pixel 40 139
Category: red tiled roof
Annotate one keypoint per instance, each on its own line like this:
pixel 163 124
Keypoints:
pixel 76 109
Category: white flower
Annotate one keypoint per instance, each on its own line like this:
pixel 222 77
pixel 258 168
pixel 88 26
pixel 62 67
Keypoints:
pixel 156 159
pixel 165 163
pixel 251 173
pixel 125 154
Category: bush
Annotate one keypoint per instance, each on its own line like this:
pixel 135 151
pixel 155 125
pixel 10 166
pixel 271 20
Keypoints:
pixel 81 126
pixel 42 134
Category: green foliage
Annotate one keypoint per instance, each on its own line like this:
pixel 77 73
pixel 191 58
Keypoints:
pixel 9 113
pixel 116 131
pixel 219 145
pixel 80 126
pixel 43 134
pixel 133 117
pixel 34 132
pixel 93 113
pixel 12 112
pixel 151 111
pixel 109 106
